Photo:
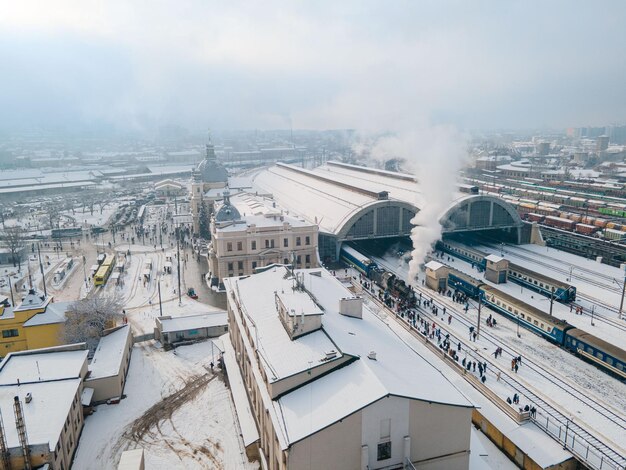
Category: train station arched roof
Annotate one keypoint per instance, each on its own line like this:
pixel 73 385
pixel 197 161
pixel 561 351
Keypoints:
pixel 350 202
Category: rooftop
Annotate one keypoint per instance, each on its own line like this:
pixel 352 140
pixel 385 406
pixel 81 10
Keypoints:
pixel 343 391
pixel 33 300
pixel 109 353
pixel 44 416
pixel 42 365
pixel 55 313
pixel 191 322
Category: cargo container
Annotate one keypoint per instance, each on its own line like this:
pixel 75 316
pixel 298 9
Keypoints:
pixel 559 222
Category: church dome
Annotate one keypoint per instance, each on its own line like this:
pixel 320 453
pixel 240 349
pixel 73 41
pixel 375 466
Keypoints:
pixel 209 170
pixel 228 212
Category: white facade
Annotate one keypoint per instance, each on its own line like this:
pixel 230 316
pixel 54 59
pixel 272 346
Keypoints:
pixel 259 236
pixel 321 400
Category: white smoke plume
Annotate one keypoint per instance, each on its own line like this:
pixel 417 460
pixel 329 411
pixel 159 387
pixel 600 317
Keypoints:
pixel 434 155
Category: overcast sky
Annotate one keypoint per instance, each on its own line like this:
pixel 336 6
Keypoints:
pixel 318 64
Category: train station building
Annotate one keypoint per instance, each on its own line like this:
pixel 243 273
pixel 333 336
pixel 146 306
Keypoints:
pixel 326 384
pixel 350 202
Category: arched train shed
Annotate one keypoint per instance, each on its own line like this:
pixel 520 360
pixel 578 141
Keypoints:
pixel 350 202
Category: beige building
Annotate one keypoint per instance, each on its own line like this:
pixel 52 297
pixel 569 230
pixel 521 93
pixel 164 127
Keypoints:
pixel 109 366
pixel 328 385
pixel 46 386
pixel 248 232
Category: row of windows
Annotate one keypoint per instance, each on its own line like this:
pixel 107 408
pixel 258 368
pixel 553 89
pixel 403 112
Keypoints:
pixel 231 265
pixel 269 243
pixel 609 360
pixel 528 318
pixel 10 333
pixel 532 281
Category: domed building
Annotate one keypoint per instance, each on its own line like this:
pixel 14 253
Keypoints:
pixel 208 183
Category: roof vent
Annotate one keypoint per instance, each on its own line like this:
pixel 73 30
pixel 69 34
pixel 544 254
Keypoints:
pixel 331 354
pixel 29 397
pixel 372 355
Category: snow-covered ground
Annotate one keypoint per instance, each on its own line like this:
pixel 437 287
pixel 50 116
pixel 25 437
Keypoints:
pixel 560 363
pixel 178 424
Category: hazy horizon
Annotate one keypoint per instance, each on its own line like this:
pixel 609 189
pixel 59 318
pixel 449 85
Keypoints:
pixel 139 66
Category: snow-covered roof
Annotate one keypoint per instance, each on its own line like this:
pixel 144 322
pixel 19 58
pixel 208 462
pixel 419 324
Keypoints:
pixel 41 366
pixel 44 416
pixel 343 391
pixel 192 322
pixel 434 265
pixel 33 300
pixel 494 258
pixel 107 359
pixel 55 313
pixel 86 396
pixel 330 195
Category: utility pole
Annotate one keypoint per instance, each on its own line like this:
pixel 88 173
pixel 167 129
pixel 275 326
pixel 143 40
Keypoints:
pixel 551 299
pixel 160 305
pixel 43 276
pixel 11 290
pixel 84 272
pixel 30 277
pixel 621 304
pixel 478 324
pixel 180 302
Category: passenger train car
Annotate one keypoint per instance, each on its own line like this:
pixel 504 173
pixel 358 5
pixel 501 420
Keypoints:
pixel 545 285
pixel 362 263
pixel 608 357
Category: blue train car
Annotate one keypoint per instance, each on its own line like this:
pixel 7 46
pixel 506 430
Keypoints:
pixel 545 285
pixel 466 284
pixel 526 315
pixel 470 255
pixel 597 351
pixel 362 263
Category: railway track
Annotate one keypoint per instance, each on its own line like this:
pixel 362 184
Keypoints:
pixel 616 323
pixel 605 452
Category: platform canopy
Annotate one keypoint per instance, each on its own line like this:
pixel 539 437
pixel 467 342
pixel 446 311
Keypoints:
pixel 350 202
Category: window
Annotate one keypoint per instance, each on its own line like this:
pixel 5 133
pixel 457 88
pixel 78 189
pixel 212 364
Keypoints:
pixel 10 333
pixel 239 265
pixel 285 261
pixel 299 259
pixel 298 241
pixel 254 244
pixel 272 243
pixel 286 242
pixel 239 246
pixel 307 241
pixel 229 246
pixel 230 266
pixel 384 451
pixel 254 265
pixel 267 243
pixel 307 259
pixel 385 428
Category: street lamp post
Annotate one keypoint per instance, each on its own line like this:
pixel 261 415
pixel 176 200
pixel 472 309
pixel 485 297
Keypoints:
pixel 518 335
pixel 180 302
pixel 621 303
pixel 43 275
pixel 84 272
pixel 551 299
pixel 478 323
pixel 11 291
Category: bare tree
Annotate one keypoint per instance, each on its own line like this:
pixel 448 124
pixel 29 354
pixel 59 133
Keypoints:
pixel 14 238
pixel 87 319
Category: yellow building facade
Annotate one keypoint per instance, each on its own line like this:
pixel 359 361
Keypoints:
pixel 34 323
